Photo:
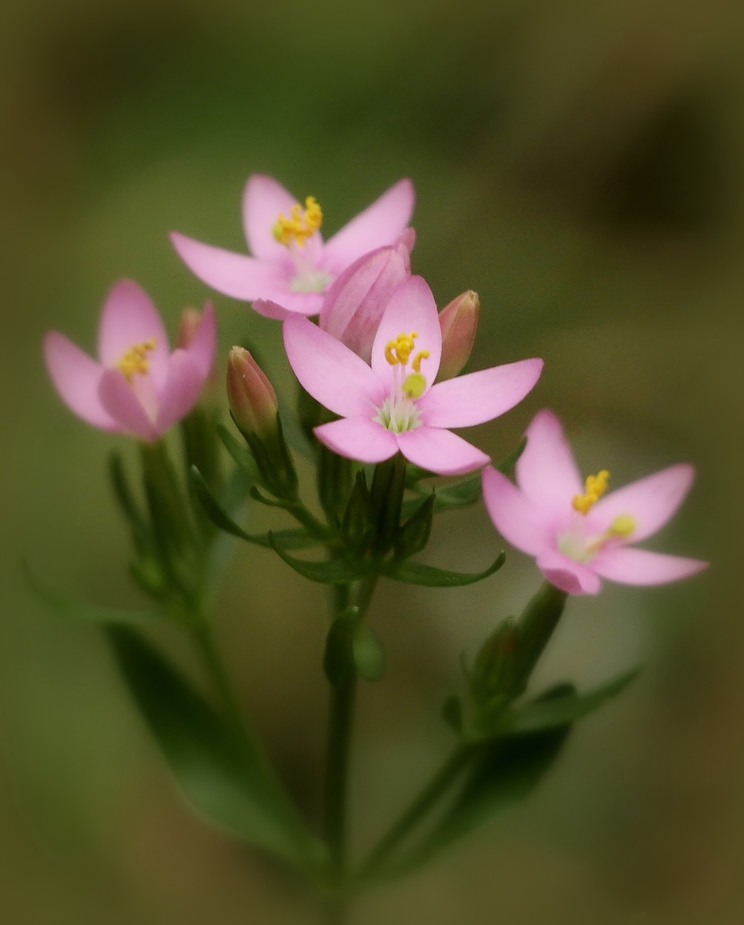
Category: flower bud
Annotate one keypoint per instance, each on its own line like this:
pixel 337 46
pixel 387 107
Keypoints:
pixel 459 322
pixel 251 396
pixel 255 410
pixel 354 304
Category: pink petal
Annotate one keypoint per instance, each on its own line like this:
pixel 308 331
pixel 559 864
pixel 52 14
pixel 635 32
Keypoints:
pixel 330 372
pixel 235 275
pixel 380 223
pixel 356 301
pixel 119 400
pixel 641 567
pixel 516 518
pixel 411 309
pixel 76 378
pixel 480 396
pixel 183 386
pixel 546 471
pixel 288 304
pixel 568 575
pixel 129 318
pixel 358 438
pixel 264 200
pixel 650 501
pixel 440 451
pixel 203 346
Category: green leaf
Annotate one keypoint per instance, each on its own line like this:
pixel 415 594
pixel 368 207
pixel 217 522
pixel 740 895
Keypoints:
pixel 414 534
pixel 452 713
pixel 240 452
pixel 290 539
pixel 76 609
pixel 416 573
pixel 508 462
pixel 458 494
pixel 329 571
pixel 501 774
pixel 542 713
pixel 222 777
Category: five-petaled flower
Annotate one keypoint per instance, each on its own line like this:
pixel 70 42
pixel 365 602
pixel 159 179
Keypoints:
pixel 292 266
pixel 577 533
pixel 390 404
pixel 137 386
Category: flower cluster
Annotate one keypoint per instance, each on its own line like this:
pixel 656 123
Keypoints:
pixel 385 363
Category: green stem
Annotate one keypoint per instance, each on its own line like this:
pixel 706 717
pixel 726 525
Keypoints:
pixel 338 754
pixel 340 720
pixel 421 805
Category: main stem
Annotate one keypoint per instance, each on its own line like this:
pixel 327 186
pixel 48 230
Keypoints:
pixel 340 719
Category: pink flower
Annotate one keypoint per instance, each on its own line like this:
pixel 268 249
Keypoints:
pixel 390 404
pixel 292 266
pixel 576 532
pixel 137 387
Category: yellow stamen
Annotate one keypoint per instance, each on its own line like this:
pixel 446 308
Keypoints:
pixel 399 350
pixel 622 525
pixel 300 225
pixel 421 355
pixel 134 360
pixel 594 487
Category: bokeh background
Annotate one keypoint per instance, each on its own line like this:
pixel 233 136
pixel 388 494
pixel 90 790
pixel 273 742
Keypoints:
pixel 581 166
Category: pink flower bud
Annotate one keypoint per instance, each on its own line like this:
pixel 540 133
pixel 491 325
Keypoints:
pixel 251 396
pixel 356 301
pixel 459 322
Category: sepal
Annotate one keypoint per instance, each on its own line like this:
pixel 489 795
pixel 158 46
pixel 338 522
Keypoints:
pixel 417 573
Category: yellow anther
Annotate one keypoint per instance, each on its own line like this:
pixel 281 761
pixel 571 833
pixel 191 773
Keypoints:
pixel 414 385
pixel 134 360
pixel 622 525
pixel 300 225
pixel 594 487
pixel 399 350
pixel 421 355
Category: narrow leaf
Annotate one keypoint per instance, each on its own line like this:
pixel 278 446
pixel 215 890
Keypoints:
pixel 290 539
pixel 502 773
pixel 240 452
pixel 329 571
pixel 542 713
pixel 416 573
pixel 222 779
pixel 76 609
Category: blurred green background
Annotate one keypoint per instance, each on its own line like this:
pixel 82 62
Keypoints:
pixel 581 166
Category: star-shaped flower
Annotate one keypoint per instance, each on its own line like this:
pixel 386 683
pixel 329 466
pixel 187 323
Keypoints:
pixel 291 266
pixel 137 386
pixel 577 533
pixel 390 404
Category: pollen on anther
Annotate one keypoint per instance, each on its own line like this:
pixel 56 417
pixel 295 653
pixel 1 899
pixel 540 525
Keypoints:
pixel 301 224
pixel 134 360
pixel 594 487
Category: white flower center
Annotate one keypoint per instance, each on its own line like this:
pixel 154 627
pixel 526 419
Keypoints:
pixel 581 546
pixel 398 411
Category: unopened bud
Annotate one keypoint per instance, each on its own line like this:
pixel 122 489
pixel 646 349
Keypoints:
pixel 189 330
pixel 250 394
pixel 459 322
pixel 355 303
